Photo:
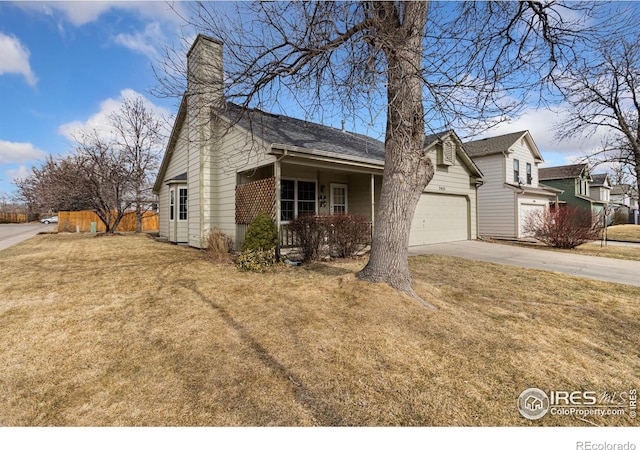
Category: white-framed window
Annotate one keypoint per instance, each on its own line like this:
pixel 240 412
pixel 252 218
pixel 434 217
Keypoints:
pixel 339 201
pixel 529 175
pixel 583 186
pixel 297 197
pixel 172 204
pixel 516 170
pixel 182 203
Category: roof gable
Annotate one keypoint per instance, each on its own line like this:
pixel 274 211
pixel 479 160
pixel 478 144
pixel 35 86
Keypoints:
pixel 173 137
pixel 432 139
pixel 600 179
pixel 501 144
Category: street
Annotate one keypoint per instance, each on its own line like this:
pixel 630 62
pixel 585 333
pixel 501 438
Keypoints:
pixel 13 233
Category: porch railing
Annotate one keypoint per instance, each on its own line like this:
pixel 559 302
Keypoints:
pixel 288 238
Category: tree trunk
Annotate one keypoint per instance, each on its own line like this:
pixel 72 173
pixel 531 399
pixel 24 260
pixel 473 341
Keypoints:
pixel 407 169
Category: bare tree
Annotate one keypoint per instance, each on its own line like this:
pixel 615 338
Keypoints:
pixel 57 184
pixel 422 65
pixel 110 171
pixel 138 140
pixel 603 90
pixel 109 181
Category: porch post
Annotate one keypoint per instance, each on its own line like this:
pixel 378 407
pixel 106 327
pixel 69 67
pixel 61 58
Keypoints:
pixel 373 201
pixel 277 174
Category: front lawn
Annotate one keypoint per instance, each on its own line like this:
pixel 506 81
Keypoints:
pixel 629 233
pixel 126 331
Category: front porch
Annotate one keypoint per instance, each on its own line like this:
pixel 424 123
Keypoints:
pixel 287 189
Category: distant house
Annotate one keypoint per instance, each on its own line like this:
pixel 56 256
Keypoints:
pixel 575 182
pixel 511 190
pixel 224 164
pixel 624 200
pixel 600 187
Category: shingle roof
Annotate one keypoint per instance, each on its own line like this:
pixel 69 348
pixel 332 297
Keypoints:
pixel 492 145
pixel 624 189
pixel 284 130
pixel 277 129
pixel 598 179
pixel 561 172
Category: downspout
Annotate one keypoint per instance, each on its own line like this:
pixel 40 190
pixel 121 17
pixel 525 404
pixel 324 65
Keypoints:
pixel 479 183
pixel 373 202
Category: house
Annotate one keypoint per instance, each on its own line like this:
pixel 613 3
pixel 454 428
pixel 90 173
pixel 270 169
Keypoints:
pixel 575 182
pixel 600 187
pixel 624 200
pixel 224 164
pixel 511 189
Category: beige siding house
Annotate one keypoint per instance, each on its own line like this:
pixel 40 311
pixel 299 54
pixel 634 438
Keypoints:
pixel 224 164
pixel 511 189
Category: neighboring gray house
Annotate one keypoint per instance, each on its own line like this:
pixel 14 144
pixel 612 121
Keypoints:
pixel 511 190
pixel 624 199
pixel 223 165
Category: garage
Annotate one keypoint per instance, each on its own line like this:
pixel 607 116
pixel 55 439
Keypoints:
pixel 526 209
pixel 440 218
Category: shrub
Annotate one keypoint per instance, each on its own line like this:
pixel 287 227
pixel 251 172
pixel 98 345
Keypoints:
pixel 350 233
pixel 340 235
pixel 218 244
pixel 310 232
pixel 259 246
pixel 257 260
pixel 262 234
pixel 564 227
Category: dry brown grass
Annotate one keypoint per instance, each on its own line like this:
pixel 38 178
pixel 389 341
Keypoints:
pixel 629 233
pixel 123 330
pixel 609 250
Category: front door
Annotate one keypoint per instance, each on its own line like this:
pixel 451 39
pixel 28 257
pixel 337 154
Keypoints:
pixel 338 198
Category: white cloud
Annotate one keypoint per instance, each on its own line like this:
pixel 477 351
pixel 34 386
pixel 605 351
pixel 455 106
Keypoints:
pixel 144 42
pixel 100 122
pixel 14 58
pixel 19 173
pixel 82 13
pixel 19 152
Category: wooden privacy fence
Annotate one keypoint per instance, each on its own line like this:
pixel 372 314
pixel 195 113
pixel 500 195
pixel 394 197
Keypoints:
pixel 12 218
pixel 70 220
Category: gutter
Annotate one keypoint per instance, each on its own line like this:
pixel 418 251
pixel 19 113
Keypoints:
pixel 326 156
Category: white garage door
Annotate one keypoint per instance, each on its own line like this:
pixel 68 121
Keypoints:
pixel 525 211
pixel 440 218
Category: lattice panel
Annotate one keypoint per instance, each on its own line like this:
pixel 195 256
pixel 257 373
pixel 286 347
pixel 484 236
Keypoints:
pixel 251 198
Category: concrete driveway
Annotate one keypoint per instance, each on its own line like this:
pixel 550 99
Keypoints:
pixel 605 269
pixel 13 233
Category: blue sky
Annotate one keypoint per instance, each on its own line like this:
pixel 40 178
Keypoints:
pixel 65 65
